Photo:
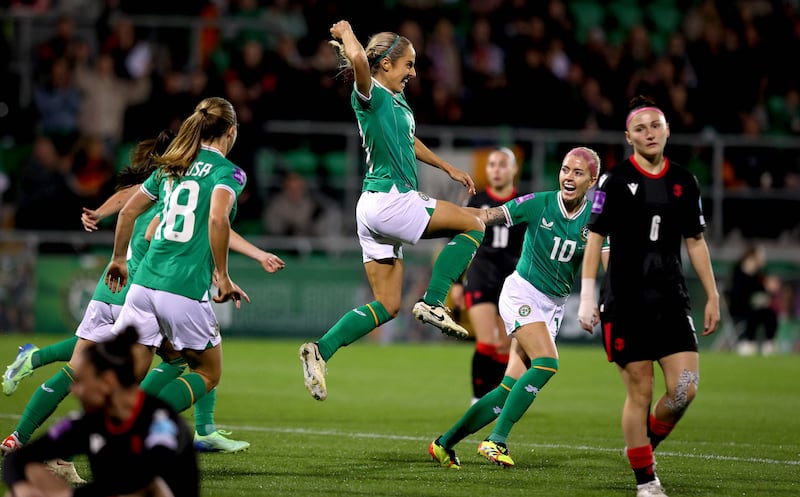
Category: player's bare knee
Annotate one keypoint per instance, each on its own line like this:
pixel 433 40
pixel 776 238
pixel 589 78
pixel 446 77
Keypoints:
pixel 684 392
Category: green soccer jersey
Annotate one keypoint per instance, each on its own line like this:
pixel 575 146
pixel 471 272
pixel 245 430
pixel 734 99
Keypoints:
pixel 386 125
pixel 179 260
pixel 554 242
pixel 136 251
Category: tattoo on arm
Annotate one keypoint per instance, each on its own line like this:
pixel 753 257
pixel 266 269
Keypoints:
pixel 494 216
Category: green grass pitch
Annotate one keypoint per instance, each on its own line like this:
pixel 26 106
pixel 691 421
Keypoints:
pixel 386 403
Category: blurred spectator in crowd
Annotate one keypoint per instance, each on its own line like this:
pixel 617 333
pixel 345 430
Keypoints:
pixel 473 57
pixel 751 302
pixel 246 10
pixel 294 211
pixel 58 104
pixel 284 19
pixel 444 53
pixel 132 57
pixel 62 44
pixel 106 97
pixel 92 171
pixel 45 199
pixel 326 93
pixel 484 73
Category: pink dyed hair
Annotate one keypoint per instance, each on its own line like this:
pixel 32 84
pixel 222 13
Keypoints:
pixel 589 155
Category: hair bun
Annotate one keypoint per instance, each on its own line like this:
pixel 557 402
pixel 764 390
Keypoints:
pixel 126 339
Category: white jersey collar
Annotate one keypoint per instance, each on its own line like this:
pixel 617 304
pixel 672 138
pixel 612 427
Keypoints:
pixel 564 209
pixel 211 149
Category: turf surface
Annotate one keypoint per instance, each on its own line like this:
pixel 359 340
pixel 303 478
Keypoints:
pixel 386 403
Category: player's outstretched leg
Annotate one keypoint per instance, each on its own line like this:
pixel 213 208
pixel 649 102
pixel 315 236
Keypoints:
pixel 314 370
pixel 449 265
pixel 31 358
pixel 440 317
pixel 19 369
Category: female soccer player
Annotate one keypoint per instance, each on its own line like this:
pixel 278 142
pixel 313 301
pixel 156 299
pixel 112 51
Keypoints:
pixel 136 443
pixel 647 205
pixel 100 316
pixel 196 188
pixel 495 259
pixel 531 303
pixel 95 326
pixel 391 211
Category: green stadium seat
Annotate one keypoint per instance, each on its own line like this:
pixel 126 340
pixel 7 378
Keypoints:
pixel 300 160
pixel 13 158
pixel 665 15
pixel 335 163
pixel 264 168
pixel 659 41
pixel 627 13
pixel 587 14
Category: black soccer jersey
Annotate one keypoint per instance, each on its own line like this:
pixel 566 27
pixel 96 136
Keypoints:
pixel 646 218
pixel 501 245
pixel 124 455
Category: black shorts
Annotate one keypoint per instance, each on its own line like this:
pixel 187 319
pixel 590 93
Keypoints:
pixel 647 336
pixel 484 282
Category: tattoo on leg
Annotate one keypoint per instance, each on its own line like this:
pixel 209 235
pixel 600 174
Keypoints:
pixel 681 401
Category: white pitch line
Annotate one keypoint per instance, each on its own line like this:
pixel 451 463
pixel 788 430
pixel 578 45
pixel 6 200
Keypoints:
pixel 383 436
pixel 590 448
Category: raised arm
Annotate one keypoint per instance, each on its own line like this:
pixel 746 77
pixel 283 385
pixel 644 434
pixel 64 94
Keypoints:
pixel 697 249
pixel 355 53
pixel 427 156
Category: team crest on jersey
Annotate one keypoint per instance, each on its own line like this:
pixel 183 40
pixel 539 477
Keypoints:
pixel 584 233
pixel 424 196
pixel 525 310
pixel 240 176
pixel 677 190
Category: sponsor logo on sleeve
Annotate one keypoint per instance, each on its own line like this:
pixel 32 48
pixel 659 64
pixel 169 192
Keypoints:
pixel 524 198
pixel 240 176
pixel 599 200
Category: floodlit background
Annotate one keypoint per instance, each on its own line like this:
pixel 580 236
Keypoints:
pixel 84 80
